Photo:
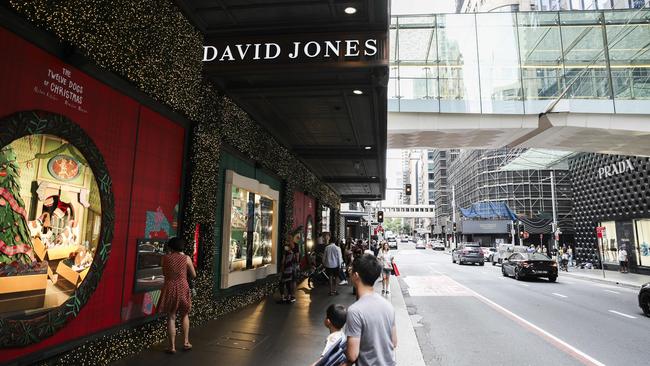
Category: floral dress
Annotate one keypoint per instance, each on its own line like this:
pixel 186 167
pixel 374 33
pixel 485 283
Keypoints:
pixel 175 295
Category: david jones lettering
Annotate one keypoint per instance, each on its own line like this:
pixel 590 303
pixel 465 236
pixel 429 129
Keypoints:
pixel 615 168
pixel 270 51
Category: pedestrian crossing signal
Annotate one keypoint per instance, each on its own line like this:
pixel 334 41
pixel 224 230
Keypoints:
pixel 408 189
pixel 380 216
pixel 454 227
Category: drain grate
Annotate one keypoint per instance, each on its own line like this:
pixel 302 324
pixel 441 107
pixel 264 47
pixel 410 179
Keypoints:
pixel 245 341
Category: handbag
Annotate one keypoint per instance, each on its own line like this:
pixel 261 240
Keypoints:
pixel 335 355
pixel 395 271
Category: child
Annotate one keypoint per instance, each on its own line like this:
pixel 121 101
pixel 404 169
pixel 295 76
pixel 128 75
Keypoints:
pixel 334 321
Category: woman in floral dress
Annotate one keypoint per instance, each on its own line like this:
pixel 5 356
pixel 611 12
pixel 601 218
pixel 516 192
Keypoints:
pixel 175 297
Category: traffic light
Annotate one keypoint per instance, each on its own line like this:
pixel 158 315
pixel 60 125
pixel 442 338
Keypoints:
pixel 408 189
pixel 521 231
pixel 380 216
pixel 454 227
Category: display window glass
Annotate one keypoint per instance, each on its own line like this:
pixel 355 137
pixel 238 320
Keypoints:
pixel 309 234
pixel 325 217
pixel 251 230
pixel 50 222
pixel 609 243
pixel 642 242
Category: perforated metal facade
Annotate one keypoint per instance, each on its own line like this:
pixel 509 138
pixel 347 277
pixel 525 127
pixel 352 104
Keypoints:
pixel 602 194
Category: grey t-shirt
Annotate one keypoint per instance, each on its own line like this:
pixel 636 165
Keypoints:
pixel 371 319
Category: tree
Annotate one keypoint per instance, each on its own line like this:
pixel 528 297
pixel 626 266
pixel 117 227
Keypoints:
pixel 408 229
pixel 393 225
pixel 15 243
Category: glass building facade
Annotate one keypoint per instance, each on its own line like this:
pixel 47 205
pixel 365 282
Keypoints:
pixel 519 63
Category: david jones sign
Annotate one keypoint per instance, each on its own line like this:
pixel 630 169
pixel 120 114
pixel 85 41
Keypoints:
pixel 615 169
pixel 295 50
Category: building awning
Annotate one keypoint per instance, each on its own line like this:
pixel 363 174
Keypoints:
pixel 539 159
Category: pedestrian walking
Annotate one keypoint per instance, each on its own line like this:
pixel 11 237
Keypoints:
pixel 175 295
pixel 332 262
pixel 342 269
pixel 287 269
pixel 370 326
pixel 569 251
pixel 386 259
pixel 623 260
pixel 335 317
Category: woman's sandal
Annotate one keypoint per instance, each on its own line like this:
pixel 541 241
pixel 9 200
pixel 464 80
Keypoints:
pixel 170 351
pixel 187 347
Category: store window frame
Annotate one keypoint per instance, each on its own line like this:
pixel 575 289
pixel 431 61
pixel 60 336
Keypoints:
pixel 250 273
pixel 23 332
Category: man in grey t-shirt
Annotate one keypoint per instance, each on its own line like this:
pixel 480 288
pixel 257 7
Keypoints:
pixel 370 325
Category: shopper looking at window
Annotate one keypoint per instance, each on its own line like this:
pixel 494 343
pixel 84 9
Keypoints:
pixel 175 297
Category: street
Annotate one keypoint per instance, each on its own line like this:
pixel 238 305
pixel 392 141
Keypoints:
pixel 469 315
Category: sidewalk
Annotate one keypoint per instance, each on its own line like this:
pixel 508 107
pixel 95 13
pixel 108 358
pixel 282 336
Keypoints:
pixel 273 334
pixel 630 280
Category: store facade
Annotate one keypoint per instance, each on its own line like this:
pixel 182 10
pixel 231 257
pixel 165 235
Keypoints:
pixel 612 192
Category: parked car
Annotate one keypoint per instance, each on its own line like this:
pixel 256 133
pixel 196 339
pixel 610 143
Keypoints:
pixel 392 242
pixel 468 253
pixel 420 244
pixel 438 245
pixel 522 265
pixel 644 299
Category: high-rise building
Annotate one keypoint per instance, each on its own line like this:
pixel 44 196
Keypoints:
pixel 439 192
pixel 473 6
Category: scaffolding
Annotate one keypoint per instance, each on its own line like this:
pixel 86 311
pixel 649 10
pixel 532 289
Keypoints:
pixel 477 177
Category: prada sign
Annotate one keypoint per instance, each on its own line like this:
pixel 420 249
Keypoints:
pixel 615 169
pixel 297 49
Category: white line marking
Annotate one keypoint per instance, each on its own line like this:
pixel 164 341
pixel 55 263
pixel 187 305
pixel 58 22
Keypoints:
pixel 614 292
pixel 621 314
pixel 559 295
pixel 525 284
pixel 562 345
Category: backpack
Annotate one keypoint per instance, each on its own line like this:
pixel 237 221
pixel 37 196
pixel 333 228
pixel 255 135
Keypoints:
pixel 335 355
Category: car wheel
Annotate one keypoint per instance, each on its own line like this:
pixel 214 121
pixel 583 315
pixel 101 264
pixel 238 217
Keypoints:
pixel 503 272
pixel 552 278
pixel 517 275
pixel 494 263
pixel 645 304
pixel 481 263
pixel 452 259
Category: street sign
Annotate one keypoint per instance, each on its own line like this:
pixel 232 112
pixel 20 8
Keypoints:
pixel 600 231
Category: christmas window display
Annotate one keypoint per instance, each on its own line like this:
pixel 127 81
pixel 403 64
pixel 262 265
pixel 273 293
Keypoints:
pixel 50 220
pixel 609 243
pixel 250 230
pixel 309 236
pixel 642 242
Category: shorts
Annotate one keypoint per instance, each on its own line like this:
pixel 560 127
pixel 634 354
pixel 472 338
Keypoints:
pixel 332 272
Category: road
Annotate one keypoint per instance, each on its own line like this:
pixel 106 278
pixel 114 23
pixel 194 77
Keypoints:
pixel 472 315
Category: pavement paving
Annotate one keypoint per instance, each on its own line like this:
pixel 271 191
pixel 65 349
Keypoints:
pixel 272 334
pixel 468 315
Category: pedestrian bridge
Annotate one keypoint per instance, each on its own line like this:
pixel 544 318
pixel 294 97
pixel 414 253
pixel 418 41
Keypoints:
pixel 575 81
pixel 409 211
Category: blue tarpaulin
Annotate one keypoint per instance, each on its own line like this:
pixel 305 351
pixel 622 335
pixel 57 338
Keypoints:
pixel 489 210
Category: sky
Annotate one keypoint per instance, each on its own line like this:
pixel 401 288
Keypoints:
pixel 400 7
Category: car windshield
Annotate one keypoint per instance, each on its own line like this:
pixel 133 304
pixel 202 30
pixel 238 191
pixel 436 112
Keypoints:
pixel 538 257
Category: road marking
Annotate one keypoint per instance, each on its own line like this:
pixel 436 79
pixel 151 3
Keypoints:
pixel 559 295
pixel 568 282
pixel 614 292
pixel 525 284
pixel 557 342
pixel 434 286
pixel 621 314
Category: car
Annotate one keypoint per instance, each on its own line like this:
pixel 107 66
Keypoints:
pixel 420 244
pixel 392 242
pixel 468 253
pixel 487 252
pixel 644 299
pixel 504 251
pixel 438 245
pixel 522 265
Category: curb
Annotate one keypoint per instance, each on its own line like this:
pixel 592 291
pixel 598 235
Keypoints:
pixel 408 350
pixel 602 280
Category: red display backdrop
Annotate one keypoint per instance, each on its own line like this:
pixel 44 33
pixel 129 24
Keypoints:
pixel 303 210
pixel 142 150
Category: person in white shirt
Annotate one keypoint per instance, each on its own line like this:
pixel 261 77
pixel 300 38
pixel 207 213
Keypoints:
pixel 334 321
pixel 332 261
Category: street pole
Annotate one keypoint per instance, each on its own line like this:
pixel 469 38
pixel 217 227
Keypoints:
pixel 453 219
pixel 555 228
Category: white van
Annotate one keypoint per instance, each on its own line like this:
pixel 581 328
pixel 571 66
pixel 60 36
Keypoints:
pixel 504 251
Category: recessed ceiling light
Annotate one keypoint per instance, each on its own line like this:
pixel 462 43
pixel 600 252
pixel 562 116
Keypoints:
pixel 350 10
pixel 357 92
pixel 368 147
pixel 374 177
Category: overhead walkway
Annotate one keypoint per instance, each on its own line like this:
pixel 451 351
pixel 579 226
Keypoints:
pixel 575 81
